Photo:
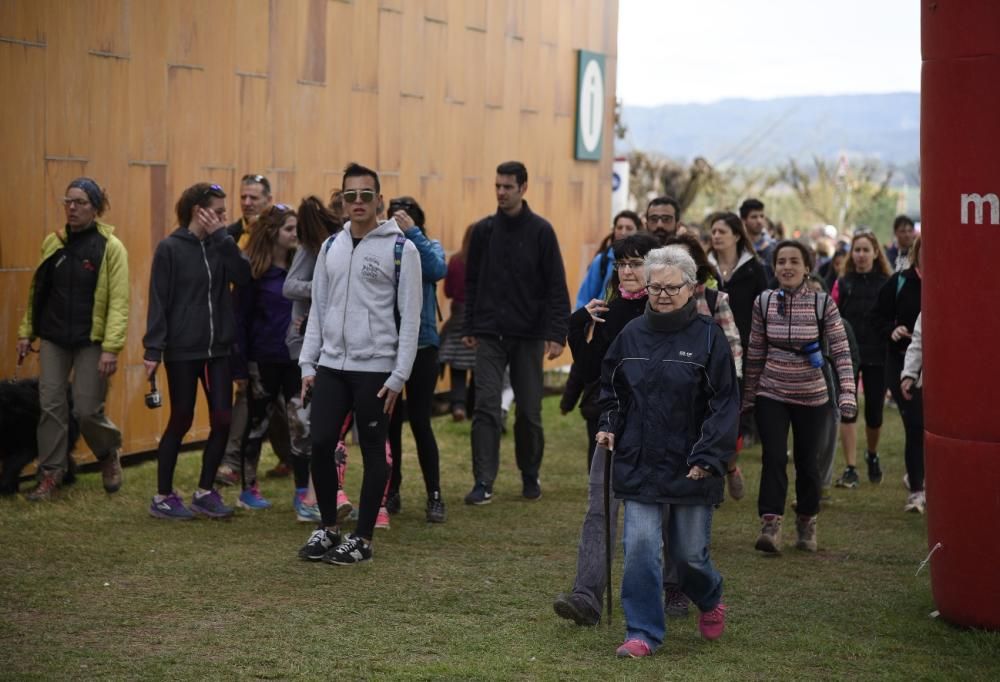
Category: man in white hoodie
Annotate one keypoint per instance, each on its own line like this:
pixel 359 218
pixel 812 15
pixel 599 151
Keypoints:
pixel 358 350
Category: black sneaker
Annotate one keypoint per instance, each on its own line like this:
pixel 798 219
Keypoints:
pixel 353 550
pixel 532 489
pixel 849 479
pixel 575 608
pixel 394 503
pixel 435 509
pixel 874 468
pixel 481 493
pixel 320 542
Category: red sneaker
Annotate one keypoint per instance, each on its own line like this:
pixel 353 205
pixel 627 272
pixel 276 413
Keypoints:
pixel 633 648
pixel 712 623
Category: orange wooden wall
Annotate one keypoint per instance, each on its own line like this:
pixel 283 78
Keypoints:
pixel 150 96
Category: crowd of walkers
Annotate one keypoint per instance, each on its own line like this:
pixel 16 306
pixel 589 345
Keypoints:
pixel 688 344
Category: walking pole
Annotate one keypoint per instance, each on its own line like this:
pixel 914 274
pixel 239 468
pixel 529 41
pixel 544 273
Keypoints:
pixel 607 526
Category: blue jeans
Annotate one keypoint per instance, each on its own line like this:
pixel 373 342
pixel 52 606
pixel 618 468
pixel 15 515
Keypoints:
pixel 689 533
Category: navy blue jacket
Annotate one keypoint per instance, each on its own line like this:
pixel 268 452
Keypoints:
pixel 671 399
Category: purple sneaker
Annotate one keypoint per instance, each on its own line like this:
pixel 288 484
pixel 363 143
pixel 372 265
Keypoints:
pixel 170 507
pixel 211 505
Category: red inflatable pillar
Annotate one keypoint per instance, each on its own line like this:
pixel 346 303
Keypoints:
pixel 960 215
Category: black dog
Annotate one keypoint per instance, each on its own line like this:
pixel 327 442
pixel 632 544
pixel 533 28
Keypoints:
pixel 19 413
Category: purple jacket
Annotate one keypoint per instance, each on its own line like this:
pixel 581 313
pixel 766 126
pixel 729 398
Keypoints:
pixel 263 315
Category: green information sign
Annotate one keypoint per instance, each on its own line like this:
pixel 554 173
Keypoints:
pixel 590 86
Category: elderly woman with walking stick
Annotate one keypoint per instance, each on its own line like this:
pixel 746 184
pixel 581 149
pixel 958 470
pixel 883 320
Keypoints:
pixel 670 415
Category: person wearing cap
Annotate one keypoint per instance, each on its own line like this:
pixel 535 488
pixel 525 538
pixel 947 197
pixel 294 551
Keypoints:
pixel 78 306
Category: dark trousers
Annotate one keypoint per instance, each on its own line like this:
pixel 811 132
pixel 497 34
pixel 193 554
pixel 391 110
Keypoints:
pixel 216 379
pixel 276 378
pixel 335 394
pixel 808 427
pixel 419 396
pixel 493 356
pixel 873 377
pixel 912 414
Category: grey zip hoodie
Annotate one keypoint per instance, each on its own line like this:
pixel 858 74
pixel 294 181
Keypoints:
pixel 351 325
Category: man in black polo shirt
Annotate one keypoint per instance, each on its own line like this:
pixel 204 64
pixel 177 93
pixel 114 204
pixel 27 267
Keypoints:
pixel 516 314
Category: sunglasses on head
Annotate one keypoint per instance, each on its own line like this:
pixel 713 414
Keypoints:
pixel 366 195
pixel 214 191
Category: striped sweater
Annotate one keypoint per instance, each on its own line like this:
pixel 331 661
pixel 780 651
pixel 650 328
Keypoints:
pixel 774 370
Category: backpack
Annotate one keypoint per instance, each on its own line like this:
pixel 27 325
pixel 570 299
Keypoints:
pixel 712 299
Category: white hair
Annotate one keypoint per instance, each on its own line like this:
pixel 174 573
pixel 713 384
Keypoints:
pixel 673 256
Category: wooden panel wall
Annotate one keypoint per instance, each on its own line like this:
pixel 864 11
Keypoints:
pixel 150 96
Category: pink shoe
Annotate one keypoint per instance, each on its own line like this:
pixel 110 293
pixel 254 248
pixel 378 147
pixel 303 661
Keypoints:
pixel 344 506
pixel 633 648
pixel 382 520
pixel 712 623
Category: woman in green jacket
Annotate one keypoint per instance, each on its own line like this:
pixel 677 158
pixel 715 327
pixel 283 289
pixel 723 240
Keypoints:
pixel 78 307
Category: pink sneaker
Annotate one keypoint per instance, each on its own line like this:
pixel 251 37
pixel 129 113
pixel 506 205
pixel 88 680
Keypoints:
pixel 712 623
pixel 344 506
pixel 382 520
pixel 633 648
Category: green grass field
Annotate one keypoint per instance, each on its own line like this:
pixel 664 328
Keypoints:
pixel 93 588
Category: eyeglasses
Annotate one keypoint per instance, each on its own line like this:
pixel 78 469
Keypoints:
pixel 71 201
pixel 665 219
pixel 352 195
pixel 633 264
pixel 214 191
pixel 670 290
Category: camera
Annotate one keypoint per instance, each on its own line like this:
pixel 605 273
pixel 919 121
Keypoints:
pixel 153 398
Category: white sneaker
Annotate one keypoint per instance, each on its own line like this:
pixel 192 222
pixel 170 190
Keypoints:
pixel 916 502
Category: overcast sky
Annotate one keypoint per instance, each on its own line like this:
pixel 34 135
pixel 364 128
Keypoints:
pixel 675 51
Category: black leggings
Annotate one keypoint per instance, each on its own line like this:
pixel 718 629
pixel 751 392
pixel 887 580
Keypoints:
pixel 335 394
pixel 912 414
pixel 419 397
pixel 183 376
pixel 275 378
pixel 808 428
pixel 874 385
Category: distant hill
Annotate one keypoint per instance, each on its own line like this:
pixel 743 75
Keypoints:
pixel 764 133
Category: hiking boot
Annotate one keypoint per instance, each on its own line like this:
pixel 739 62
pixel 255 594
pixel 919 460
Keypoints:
pixel 435 509
pixel 306 513
pixel 712 623
pixel 111 471
pixel 210 505
pixel 575 608
pixel 874 468
pixel 46 489
pixel 170 507
pixel 394 503
pixel 382 519
pixel 280 470
pixel 320 542
pixel 633 648
pixel 805 526
pixel 226 476
pixel 532 487
pixel 734 477
pixel 675 603
pixel 252 499
pixel 916 502
pixel 344 506
pixel 480 494
pixel 849 479
pixel 769 539
pixel 353 550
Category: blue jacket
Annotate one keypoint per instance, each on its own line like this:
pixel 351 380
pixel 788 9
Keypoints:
pixel 593 285
pixel 433 267
pixel 671 399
